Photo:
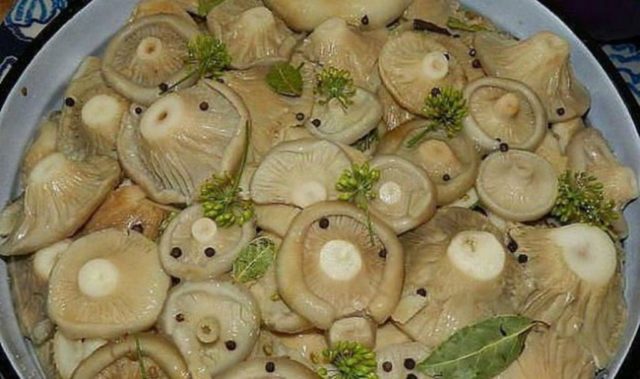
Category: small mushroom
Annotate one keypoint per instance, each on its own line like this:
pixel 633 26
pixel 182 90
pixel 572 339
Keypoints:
pixel 406 197
pixel 328 266
pixel 107 284
pixel 59 197
pixel 213 324
pixel 253 37
pixel 413 64
pixel 551 150
pixel 357 329
pixel 153 7
pixel 399 361
pixel 120 359
pixel 541 62
pixel 393 113
pixel 176 145
pixel 193 247
pixel 299 173
pixel 147 53
pixel 68 353
pixel 269 368
pixel 504 111
pixel 275 218
pixel 43 144
pixel 517 185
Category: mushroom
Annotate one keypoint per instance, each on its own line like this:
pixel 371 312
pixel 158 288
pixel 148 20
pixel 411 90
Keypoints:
pixel 504 111
pixel 413 64
pixel 193 247
pixel 570 279
pixel 399 361
pixel 357 329
pixel 269 368
pixel 147 8
pixel 406 197
pixel 129 208
pixel 456 274
pixel 299 173
pixel 302 347
pixel 120 359
pixel 147 54
pixel 335 262
pixel 451 163
pixel 551 150
pixel 542 63
pixel 306 15
pixel 68 353
pixel 275 218
pixel 434 11
pixel 468 200
pixel 393 113
pixel 517 185
pixel 213 324
pixel 43 144
pixel 183 139
pixel 389 334
pixel 564 131
pixel 253 37
pixel 60 195
pixel 107 284
pixel 460 48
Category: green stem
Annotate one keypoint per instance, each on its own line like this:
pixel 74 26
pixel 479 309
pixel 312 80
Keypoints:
pixel 419 137
pixel 143 370
pixel 184 79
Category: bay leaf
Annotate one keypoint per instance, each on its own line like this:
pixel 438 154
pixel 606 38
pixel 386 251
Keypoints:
pixel 285 79
pixel 480 351
pixel 254 260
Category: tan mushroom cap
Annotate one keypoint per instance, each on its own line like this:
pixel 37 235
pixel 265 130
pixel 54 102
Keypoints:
pixel 551 150
pixel 306 15
pixel 358 329
pixel 413 63
pixel 68 353
pixel 267 368
pixel 119 359
pixel 391 360
pixel 504 111
pixel 389 334
pixel 43 144
pixel 146 53
pixel 194 247
pixel 182 140
pixel 393 113
pixel 327 266
pixel 517 185
pixel 153 7
pixel 213 324
pixel 406 197
pixel 275 218
pixel 301 347
pixel 107 284
pixel 434 11
pixel 564 131
pixel 300 173
pixel 60 196
pixel 542 62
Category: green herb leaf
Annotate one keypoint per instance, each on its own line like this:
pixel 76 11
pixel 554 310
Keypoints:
pixel 446 110
pixel 480 351
pixel 458 24
pixel 254 260
pixel 356 186
pixel 205 6
pixel 285 79
pixel 350 360
pixel 334 83
pixel 140 356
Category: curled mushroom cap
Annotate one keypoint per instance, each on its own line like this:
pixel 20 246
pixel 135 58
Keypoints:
pixel 183 139
pixel 107 284
pixel 60 196
pixel 456 274
pixel 120 359
pixel 413 64
pixel 300 173
pixel 328 267
pixel 153 7
pixel 504 111
pixel 571 281
pixel 68 353
pixel 269 368
pixel 406 197
pixel 193 247
pixel 306 15
pixel 43 144
pixel 517 185
pixel 146 53
pixel 398 361
pixel 451 163
pixel 541 62
pixel 213 324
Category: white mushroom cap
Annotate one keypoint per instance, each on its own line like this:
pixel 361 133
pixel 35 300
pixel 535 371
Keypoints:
pixel 269 368
pixel 213 324
pixel 43 144
pixel 517 185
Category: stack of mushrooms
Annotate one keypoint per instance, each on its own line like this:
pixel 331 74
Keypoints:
pixel 293 189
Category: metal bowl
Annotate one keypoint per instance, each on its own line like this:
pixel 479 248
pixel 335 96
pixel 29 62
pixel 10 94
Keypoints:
pixel 87 25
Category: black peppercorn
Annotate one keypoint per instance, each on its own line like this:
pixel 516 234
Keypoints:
pixel 270 367
pixel 387 366
pixel 504 147
pixel 176 252
pixel 180 317
pixel 316 122
pixel 300 116
pixel 164 87
pixel 446 55
pixel 138 228
pixel 69 101
pixel 175 281
pixel 435 92
pixel 512 246
pixel 476 63
pixel 409 364
pixel 560 111
pixel 446 177
pixel 472 52
pixel 422 292
pixel 138 110
pixel 209 252
pixel 523 258
pixel 382 253
pixel 411 376
pixel 204 106
pixel 324 223
pixel 230 345
pixel 365 20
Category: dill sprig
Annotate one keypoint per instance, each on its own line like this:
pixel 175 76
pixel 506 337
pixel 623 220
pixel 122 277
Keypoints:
pixel 356 186
pixel 334 83
pixel 350 360
pixel 140 356
pixel 445 109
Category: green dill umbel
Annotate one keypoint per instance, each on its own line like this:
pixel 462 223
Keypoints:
pixel 445 110
pixel 350 360
pixel 356 186
pixel 581 200
pixel 334 83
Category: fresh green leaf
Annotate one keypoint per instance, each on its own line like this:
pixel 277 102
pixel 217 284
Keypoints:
pixel 205 6
pixel 356 186
pixel 480 351
pixel 334 83
pixel 445 109
pixel 140 356
pixel 367 141
pixel 458 24
pixel 254 260
pixel 348 360
pixel 285 79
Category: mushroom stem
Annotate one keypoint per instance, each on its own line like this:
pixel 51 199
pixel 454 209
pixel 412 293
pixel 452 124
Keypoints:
pixel 98 278
pixel 204 229
pixel 435 65
pixel 340 260
pixel 102 113
pixel 390 192
pixel 163 118
pixel 208 330
pixel 477 254
pixel 508 105
pixel 149 48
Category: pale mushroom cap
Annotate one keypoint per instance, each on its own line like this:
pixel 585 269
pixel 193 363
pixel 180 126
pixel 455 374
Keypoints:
pixel 45 259
pixel 43 144
pixel 269 368
pixel 68 353
pixel 275 218
pixel 517 185
pixel 434 11
pixel 393 114
pixel 356 329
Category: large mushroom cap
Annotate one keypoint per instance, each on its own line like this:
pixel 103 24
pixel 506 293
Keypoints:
pixel 300 173
pixel 517 185
pixel 107 284
pixel 541 62
pixel 146 53
pixel 193 247
pixel 182 140
pixel 60 196
pixel 213 324
pixel 406 197
pixel 328 267
pixel 269 368
pixel 43 144
pixel 413 64
pixel 504 110
pixel 399 361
